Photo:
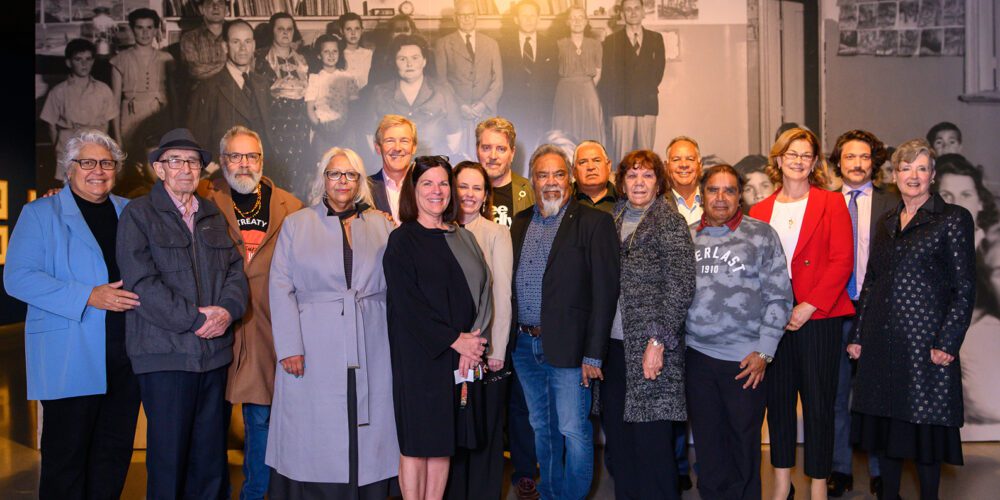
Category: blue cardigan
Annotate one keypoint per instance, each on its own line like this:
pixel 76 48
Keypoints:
pixel 53 263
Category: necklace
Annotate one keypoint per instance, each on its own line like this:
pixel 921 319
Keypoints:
pixel 253 211
pixel 631 237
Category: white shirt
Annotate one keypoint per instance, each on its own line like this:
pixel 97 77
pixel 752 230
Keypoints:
pixel 392 193
pixel 864 201
pixel 359 62
pixel 632 33
pixel 235 73
pixel 693 213
pixel 471 37
pixel 786 219
pixel 521 36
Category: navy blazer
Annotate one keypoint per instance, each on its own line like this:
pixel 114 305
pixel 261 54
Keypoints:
pixel 53 264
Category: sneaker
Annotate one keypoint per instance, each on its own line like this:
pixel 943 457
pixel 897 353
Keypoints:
pixel 526 490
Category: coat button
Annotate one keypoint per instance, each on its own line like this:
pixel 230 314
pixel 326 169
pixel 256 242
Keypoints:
pixel 807 262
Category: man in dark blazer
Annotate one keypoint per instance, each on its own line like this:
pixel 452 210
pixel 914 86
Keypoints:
pixel 565 295
pixel 395 142
pixel 631 70
pixel 234 95
pixel 853 159
pixel 530 73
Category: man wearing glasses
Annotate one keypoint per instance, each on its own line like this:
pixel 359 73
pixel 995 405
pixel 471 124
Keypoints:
pixel 174 251
pixel 254 209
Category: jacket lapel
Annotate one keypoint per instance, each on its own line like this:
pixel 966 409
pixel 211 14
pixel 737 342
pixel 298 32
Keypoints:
pixel 517 232
pixel 815 207
pixel 569 219
pixel 234 94
pixel 74 220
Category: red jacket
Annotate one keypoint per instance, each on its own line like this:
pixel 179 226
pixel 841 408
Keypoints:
pixel 824 254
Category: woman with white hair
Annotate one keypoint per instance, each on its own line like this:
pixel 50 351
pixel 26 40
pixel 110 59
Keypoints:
pixel 61 262
pixel 327 294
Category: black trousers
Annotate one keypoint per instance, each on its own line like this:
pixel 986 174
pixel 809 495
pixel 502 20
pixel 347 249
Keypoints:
pixel 725 420
pixel 87 440
pixel 642 453
pixel 806 364
pixel 186 439
pixel 479 473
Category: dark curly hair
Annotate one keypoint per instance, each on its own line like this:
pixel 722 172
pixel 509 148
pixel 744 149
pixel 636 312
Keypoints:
pixel 877 147
pixel 956 164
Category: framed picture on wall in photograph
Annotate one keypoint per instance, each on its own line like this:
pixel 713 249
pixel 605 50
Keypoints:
pixel 4 200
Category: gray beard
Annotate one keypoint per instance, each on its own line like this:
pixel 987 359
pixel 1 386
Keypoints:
pixel 551 207
pixel 242 186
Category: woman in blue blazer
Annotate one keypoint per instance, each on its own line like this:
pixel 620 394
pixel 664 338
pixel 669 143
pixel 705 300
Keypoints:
pixel 61 262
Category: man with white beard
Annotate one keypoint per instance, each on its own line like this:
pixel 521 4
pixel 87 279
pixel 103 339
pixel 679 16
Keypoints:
pixel 254 209
pixel 565 294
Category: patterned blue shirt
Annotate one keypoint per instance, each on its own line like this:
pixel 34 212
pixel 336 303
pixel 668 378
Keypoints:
pixel 531 268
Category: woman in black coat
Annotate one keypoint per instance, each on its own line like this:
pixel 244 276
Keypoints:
pixel 914 311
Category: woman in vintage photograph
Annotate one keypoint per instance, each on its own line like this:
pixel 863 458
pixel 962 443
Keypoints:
pixel 914 310
pixel 642 394
pixel 439 309
pixel 332 426
pixel 816 235
pixel 286 70
pixel 577 108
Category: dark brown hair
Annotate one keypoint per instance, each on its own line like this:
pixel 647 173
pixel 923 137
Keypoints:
pixel 723 168
pixel 487 209
pixel 642 158
pixel 407 193
pixel 877 147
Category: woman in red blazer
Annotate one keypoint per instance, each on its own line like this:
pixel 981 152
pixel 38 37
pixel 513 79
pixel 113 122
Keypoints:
pixel 818 239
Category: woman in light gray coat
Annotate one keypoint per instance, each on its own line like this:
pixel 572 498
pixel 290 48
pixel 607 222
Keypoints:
pixel 643 389
pixel 332 431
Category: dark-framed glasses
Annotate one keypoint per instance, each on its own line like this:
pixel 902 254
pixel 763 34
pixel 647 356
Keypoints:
pixel 90 163
pixel 252 158
pixel 335 175
pixel 177 163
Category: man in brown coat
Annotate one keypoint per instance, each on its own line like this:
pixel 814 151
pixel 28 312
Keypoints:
pixel 254 209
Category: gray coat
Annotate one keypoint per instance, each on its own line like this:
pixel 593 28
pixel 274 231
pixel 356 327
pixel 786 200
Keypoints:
pixel 657 286
pixel 174 273
pixel 314 314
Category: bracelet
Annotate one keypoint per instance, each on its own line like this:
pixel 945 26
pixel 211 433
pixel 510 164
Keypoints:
pixel 655 343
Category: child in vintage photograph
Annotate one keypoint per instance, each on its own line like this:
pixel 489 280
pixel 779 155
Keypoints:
pixel 79 102
pixel 329 93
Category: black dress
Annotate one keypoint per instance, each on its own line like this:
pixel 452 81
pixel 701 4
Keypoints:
pixel 429 304
pixel 918 295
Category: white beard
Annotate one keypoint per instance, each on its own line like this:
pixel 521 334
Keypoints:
pixel 240 184
pixel 551 207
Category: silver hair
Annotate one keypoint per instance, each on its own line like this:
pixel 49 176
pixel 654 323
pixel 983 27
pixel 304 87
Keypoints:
pixel 591 143
pixel 549 149
pixel 683 138
pixel 81 138
pixel 239 130
pixel 364 193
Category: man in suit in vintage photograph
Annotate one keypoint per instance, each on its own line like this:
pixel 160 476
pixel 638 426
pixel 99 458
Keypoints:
pixel 233 96
pixel 853 159
pixel 631 70
pixel 530 71
pixel 469 62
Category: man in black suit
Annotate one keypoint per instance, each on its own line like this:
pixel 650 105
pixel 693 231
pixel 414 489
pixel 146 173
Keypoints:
pixel 853 159
pixel 631 70
pixel 395 142
pixel 530 71
pixel 234 95
pixel 565 296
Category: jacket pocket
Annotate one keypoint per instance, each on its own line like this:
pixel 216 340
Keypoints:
pixel 44 323
pixel 170 250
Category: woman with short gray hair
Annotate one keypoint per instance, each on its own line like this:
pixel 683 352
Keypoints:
pixel 61 262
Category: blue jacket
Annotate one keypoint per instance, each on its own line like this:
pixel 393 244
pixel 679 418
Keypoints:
pixel 53 263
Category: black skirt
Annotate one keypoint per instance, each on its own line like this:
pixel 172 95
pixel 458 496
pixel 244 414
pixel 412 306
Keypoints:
pixel 922 443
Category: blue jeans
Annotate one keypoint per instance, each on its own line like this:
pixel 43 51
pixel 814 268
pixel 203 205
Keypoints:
pixel 842 452
pixel 256 473
pixel 559 411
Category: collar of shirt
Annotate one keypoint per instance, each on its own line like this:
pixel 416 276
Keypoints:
pixel 390 184
pixel 682 203
pixel 521 36
pixel 611 195
pixel 632 32
pixel 866 190
pixel 187 211
pixel 235 73
pixel 732 223
pixel 471 35
pixel 539 218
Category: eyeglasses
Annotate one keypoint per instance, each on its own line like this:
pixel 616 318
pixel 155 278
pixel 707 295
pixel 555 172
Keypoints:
pixel 177 163
pixel 806 157
pixel 335 175
pixel 90 164
pixel 252 158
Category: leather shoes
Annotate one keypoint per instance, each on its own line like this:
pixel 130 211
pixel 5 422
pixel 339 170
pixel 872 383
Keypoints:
pixel 875 485
pixel 526 489
pixel 838 483
pixel 684 483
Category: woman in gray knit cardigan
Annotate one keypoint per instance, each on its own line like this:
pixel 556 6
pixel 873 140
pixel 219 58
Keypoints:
pixel 643 388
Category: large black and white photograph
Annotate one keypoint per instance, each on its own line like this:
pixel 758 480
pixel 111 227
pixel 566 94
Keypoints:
pixel 529 248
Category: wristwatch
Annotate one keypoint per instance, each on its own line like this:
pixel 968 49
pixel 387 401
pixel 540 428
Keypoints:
pixel 655 343
pixel 767 359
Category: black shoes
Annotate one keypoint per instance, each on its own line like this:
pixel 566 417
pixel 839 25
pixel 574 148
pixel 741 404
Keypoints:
pixel 876 487
pixel 839 482
pixel 684 483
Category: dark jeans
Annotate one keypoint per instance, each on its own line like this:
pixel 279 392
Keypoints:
pixel 642 453
pixel 256 474
pixel 725 420
pixel 520 437
pixel 186 439
pixel 842 452
pixel 87 440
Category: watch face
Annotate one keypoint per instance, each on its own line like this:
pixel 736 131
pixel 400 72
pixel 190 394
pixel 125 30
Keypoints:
pixel 406 8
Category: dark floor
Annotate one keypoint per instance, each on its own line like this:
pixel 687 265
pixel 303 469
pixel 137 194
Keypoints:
pixel 19 460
